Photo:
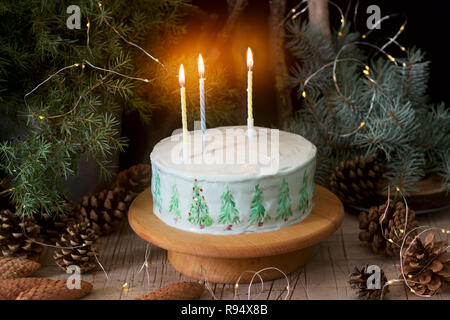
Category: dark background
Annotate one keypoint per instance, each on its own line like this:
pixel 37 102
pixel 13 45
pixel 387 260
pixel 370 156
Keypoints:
pixel 427 28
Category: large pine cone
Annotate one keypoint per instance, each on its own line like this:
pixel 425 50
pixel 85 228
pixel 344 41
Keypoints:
pixel 135 179
pixel 426 265
pixel 358 281
pixel 383 229
pixel 355 181
pixel 103 211
pixel 52 226
pixel 77 248
pixel 17 236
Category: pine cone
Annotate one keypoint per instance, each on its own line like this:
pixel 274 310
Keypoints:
pixel 358 280
pixel 41 289
pixel 380 225
pixel 56 290
pixel 355 181
pixel 426 265
pixel 53 226
pixel 11 268
pixel 78 249
pixel 103 211
pixel 177 291
pixel 17 235
pixel 135 179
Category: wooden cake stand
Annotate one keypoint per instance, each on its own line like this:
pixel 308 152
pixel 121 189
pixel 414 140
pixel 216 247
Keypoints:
pixel 223 258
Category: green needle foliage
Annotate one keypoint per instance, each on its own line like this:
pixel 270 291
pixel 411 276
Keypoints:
pixel 390 116
pixel 74 112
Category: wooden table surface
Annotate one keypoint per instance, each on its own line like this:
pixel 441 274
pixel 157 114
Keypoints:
pixel 325 275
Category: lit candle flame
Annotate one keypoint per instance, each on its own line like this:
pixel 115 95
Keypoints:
pixel 249 59
pixel 181 76
pixel 201 66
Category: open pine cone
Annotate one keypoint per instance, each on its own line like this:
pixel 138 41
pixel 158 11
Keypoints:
pixel 355 181
pixel 358 281
pixel 103 211
pixel 77 248
pixel 51 227
pixel 135 179
pixel 17 235
pixel 426 265
pixel 383 229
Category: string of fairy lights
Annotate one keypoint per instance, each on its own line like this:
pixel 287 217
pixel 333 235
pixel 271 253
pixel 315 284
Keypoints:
pixel 294 14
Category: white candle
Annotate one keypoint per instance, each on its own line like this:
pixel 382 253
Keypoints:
pixel 181 79
pixel 249 91
pixel 201 72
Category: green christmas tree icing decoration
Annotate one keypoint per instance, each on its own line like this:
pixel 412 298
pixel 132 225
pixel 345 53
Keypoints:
pixel 174 206
pixel 157 190
pixel 303 202
pixel 284 210
pixel 228 213
pixel 258 212
pixel 199 212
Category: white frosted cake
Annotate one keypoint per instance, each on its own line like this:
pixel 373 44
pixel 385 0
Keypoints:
pixel 239 184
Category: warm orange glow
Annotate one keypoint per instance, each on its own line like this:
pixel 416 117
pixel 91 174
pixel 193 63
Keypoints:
pixel 249 59
pixel 201 66
pixel 181 76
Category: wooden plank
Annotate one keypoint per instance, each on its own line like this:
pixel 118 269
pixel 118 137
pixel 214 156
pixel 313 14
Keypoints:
pixel 325 276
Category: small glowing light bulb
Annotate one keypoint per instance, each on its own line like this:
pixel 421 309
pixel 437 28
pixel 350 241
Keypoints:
pixel 342 20
pixel 42 117
pixel 366 72
pixel 362 124
pixel 304 94
pixel 125 285
pixel 391 58
pixel 363 36
pixel 403 48
pixel 390 282
pixel 236 286
pixel 293 10
pixel 390 240
pixel 367 67
pixel 402 27
pixel 340 34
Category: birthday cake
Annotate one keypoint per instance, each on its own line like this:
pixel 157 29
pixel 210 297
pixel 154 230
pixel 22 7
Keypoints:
pixel 233 182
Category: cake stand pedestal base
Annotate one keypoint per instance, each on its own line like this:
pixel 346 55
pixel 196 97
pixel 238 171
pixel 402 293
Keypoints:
pixel 225 258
